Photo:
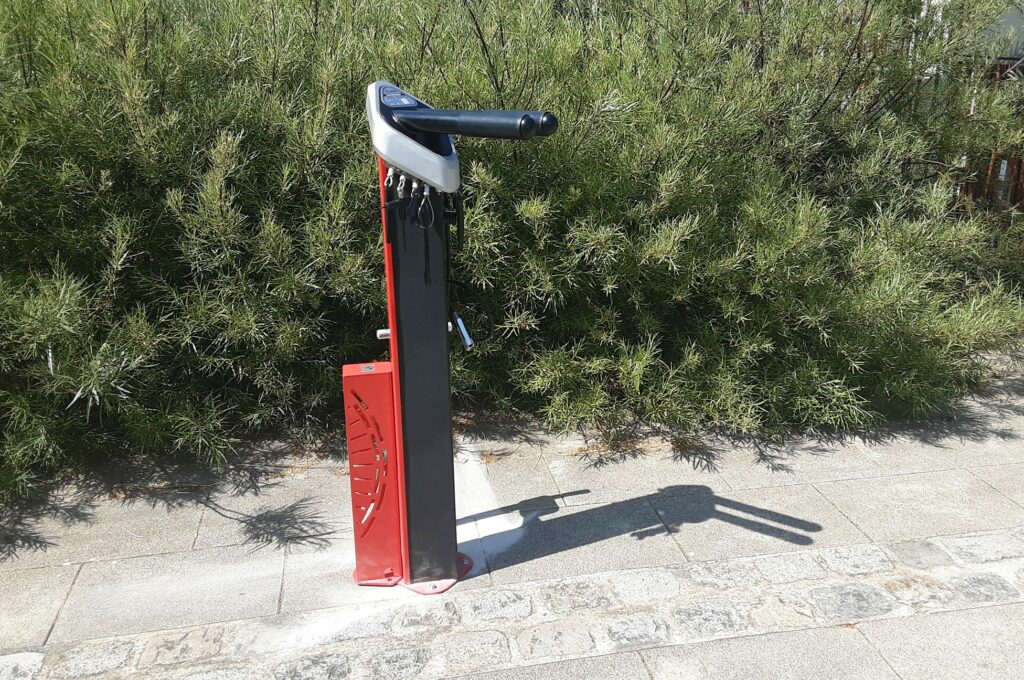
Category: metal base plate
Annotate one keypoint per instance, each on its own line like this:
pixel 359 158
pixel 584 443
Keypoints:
pixel 465 566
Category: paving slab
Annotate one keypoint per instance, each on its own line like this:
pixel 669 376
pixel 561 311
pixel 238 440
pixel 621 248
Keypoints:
pixel 906 456
pixel 579 539
pixel 634 631
pixel 248 671
pixel 790 568
pixel 297 632
pixel 29 602
pixel 181 646
pixel 857 560
pixel 850 602
pixel 470 545
pixel 915 506
pixel 1008 479
pixel 556 639
pixel 522 481
pixel 22 666
pixel 496 438
pixel 921 554
pixel 175 590
pixel 586 481
pixel 318 667
pixel 981 548
pixel 491 497
pixel 639 586
pixel 106 529
pixel 799 463
pixel 625 666
pixel 754 522
pixel 296 506
pixel 494 606
pixel 981 644
pixel 319 578
pixel 984 588
pixel 983 431
pixel 822 654
pixel 87 659
pixel 631 559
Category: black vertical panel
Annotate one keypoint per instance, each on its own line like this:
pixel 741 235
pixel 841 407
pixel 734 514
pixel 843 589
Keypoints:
pixel 422 302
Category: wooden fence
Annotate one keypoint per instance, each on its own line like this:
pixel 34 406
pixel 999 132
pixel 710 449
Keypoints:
pixel 1001 183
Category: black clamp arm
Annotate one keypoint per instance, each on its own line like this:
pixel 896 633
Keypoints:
pixel 487 123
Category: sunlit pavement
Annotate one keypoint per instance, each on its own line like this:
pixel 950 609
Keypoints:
pixel 898 554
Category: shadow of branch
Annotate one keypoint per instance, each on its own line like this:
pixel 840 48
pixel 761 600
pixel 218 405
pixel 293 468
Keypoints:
pixel 296 523
pixel 33 524
pixel 19 524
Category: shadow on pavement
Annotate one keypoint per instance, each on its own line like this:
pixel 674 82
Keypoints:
pixel 35 524
pixel 19 532
pixel 296 523
pixel 512 432
pixel 981 417
pixel 664 512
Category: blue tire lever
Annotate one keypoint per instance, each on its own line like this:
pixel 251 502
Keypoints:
pixel 463 333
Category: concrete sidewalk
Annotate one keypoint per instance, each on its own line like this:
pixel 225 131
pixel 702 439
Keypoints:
pixel 899 555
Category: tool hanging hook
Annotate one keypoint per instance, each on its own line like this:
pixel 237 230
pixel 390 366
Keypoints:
pixel 425 203
pixel 415 199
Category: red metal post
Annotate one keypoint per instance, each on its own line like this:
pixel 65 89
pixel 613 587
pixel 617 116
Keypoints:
pixel 396 391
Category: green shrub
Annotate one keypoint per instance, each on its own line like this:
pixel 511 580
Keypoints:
pixel 747 221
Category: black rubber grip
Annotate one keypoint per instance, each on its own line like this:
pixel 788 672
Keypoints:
pixel 488 123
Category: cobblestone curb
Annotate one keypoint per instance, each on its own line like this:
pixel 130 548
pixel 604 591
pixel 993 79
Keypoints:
pixel 558 619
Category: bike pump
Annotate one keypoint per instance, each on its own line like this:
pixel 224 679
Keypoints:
pixel 398 412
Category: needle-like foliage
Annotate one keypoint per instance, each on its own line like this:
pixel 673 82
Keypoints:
pixel 750 218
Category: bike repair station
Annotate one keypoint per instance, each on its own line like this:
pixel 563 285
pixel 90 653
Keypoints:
pixel 398 412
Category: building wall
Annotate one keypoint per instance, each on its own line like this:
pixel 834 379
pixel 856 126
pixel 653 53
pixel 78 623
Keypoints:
pixel 1012 22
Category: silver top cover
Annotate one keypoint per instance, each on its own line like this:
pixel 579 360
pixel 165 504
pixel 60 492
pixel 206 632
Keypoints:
pixel 401 151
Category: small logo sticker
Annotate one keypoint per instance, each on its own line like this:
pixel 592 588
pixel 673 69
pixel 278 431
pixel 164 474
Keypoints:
pixel 367 368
